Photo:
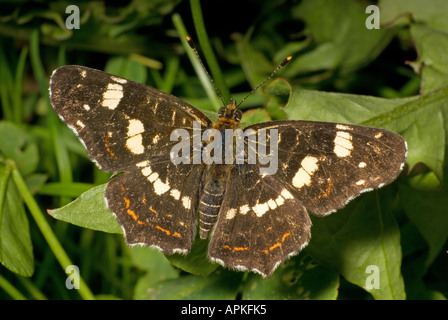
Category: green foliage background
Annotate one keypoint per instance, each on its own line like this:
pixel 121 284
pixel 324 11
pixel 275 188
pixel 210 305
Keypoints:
pixel 395 78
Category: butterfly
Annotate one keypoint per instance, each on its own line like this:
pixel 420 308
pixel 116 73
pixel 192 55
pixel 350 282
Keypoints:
pixel 254 220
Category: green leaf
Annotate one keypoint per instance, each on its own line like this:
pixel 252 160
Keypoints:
pixel 196 261
pixel 340 37
pixel 427 211
pixel 428 21
pixel 221 285
pixel 16 144
pixel 89 211
pixel 361 235
pixel 126 68
pixel 156 266
pixel 299 278
pixel 255 116
pixel 432 13
pixel 432 60
pixel 16 251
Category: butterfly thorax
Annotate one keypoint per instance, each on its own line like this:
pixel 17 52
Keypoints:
pixel 229 117
pixel 215 175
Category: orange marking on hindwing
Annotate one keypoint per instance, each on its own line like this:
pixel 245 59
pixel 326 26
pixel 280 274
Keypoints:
pixel 163 230
pixel 278 244
pixel 152 210
pixel 132 214
pixel 286 235
pixel 127 202
pixel 235 248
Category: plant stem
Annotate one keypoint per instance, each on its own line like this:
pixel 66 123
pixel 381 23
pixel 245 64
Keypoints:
pixel 206 47
pixel 10 289
pixel 48 233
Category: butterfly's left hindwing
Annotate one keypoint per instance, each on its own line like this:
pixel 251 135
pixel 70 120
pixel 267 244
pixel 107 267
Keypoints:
pixel 155 204
pixel 120 122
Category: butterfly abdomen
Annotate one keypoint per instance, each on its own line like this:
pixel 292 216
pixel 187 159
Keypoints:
pixel 211 199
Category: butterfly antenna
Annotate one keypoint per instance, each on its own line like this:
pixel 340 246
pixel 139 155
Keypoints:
pixel 281 65
pixel 193 47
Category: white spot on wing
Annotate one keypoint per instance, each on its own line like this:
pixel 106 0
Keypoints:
pixel 272 205
pixel 142 164
pixel 134 144
pixel 286 194
pixel 244 209
pixel 119 80
pixel 280 200
pixel 175 194
pixel 260 209
pixel 86 107
pixel 146 171
pixel 153 177
pixel 135 127
pixel 303 175
pixel 231 213
pixel 160 187
pixel 343 127
pixel 362 164
pixel 343 144
pixel 112 96
pixel 186 202
pixel 80 124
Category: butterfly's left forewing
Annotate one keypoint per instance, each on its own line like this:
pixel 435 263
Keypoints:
pixel 119 121
pixel 126 126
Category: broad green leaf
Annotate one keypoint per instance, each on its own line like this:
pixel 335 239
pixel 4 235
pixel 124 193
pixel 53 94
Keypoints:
pixel 432 60
pixel 221 285
pixel 428 212
pixel 126 68
pixel 255 116
pixel 432 13
pixel 299 278
pixel 362 235
pixel 428 20
pixel 156 266
pixel 341 39
pixel 89 211
pixel 196 261
pixel 16 144
pixel 16 251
